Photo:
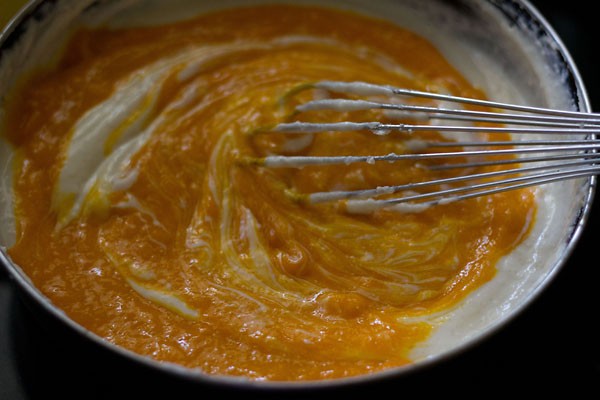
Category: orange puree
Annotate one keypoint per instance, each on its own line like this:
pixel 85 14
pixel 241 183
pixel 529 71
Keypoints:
pixel 137 215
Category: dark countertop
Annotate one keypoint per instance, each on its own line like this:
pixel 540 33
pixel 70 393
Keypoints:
pixel 552 345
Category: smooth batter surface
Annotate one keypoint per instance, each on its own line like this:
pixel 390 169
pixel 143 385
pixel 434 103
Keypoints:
pixel 138 215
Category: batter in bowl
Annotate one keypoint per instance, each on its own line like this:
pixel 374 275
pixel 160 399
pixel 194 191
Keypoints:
pixel 138 214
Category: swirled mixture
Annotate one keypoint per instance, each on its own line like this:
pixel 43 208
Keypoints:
pixel 140 216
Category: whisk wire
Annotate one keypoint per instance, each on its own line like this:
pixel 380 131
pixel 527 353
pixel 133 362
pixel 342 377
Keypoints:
pixel 560 158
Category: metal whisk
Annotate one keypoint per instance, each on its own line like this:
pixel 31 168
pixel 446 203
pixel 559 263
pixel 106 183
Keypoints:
pixel 531 162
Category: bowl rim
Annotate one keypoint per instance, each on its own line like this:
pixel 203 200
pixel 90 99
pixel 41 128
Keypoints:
pixel 26 287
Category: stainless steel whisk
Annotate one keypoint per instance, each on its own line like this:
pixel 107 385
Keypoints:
pixel 544 161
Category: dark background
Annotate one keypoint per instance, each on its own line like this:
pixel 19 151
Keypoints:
pixel 552 347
